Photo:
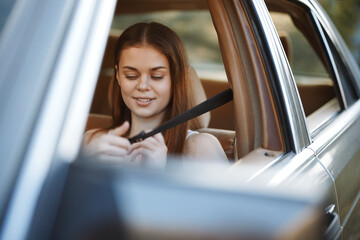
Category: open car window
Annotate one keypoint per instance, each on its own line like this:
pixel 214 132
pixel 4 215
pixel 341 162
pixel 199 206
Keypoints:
pixel 320 93
pixel 196 30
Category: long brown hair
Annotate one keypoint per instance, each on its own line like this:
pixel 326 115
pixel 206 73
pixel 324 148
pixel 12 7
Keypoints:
pixel 166 41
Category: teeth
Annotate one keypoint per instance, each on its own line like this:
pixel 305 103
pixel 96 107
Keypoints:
pixel 143 100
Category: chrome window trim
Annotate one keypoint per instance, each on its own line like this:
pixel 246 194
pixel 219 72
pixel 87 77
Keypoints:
pixel 323 22
pixel 331 59
pixel 335 128
pixel 323 124
pixel 314 14
pixel 300 136
pixel 37 159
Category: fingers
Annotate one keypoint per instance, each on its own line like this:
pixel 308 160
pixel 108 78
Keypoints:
pixel 151 143
pixel 116 151
pixel 117 141
pixel 147 144
pixel 120 131
pixel 159 137
pixel 109 145
pixel 152 151
pixel 155 158
pixel 139 155
pixel 113 147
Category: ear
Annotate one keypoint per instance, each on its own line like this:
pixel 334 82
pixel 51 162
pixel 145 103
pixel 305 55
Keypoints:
pixel 116 72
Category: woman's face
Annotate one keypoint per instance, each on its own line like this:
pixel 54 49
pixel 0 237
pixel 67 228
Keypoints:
pixel 145 82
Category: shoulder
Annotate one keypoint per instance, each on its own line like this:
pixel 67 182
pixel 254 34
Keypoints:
pixel 201 138
pixel 203 145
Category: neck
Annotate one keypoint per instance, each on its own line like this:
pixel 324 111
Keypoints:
pixel 139 124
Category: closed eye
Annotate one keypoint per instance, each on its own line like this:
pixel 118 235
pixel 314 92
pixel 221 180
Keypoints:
pixel 131 77
pixel 157 77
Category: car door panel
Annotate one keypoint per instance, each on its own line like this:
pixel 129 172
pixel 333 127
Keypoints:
pixel 288 169
pixel 337 148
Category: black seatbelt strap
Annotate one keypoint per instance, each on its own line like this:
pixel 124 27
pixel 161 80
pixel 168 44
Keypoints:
pixel 206 106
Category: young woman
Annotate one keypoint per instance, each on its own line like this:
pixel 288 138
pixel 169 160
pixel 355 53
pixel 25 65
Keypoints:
pixel 150 87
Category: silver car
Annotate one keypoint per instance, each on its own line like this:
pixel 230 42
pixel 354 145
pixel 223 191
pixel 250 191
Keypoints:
pixel 291 133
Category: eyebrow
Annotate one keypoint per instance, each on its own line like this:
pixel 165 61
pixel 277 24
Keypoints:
pixel 157 68
pixel 152 69
pixel 131 68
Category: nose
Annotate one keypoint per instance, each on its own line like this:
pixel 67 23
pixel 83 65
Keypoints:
pixel 143 83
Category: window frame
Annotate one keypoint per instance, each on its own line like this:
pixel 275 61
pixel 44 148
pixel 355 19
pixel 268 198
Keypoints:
pixel 307 135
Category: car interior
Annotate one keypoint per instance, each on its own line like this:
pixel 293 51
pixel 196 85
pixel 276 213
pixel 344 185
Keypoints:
pixel 203 84
pixel 215 67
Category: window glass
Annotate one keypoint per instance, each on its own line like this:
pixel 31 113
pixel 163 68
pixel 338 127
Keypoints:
pixel 316 86
pixel 302 58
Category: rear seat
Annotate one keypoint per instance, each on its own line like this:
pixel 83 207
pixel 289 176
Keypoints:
pixel 222 117
pixel 315 95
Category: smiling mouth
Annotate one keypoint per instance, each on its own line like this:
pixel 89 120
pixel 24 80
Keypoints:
pixel 144 100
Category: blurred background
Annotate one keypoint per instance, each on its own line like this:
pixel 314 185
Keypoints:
pixel 198 34
pixel 346 16
pixel 201 41
pixel 195 29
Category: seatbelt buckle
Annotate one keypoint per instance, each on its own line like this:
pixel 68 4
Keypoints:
pixel 137 138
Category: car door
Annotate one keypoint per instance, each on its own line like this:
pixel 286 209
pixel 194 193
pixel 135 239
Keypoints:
pixel 310 104
pixel 334 135
pixel 337 145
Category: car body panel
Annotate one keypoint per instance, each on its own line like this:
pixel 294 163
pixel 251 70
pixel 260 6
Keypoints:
pixel 46 138
pixel 21 99
pixel 337 145
pixel 184 205
pixel 336 148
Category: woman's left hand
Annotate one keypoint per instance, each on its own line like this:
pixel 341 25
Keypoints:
pixel 153 150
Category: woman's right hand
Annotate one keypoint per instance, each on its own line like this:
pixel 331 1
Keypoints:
pixel 110 147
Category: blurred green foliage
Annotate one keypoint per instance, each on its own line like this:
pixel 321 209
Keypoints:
pixel 195 29
pixel 346 16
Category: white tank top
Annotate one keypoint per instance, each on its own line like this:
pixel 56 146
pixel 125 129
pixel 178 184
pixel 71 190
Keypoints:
pixel 190 132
